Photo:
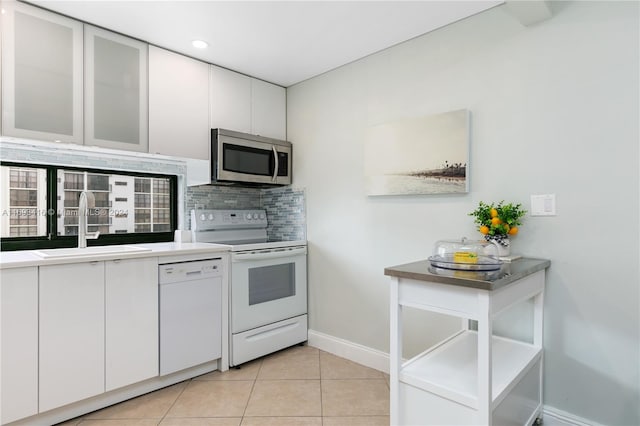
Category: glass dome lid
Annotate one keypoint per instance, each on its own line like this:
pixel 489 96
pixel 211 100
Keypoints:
pixel 465 254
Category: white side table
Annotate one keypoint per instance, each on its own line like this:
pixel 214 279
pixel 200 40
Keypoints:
pixel 472 377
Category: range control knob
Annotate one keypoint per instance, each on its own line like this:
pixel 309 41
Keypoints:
pixel 255 216
pixel 203 217
pixel 210 216
pixel 261 216
pixel 248 216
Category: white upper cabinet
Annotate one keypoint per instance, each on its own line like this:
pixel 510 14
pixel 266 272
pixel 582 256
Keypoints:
pixel 41 74
pixel 246 104
pixel 116 92
pixel 178 105
pixel 268 109
pixel 230 100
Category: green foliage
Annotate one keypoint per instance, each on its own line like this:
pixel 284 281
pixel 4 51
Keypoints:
pixel 508 214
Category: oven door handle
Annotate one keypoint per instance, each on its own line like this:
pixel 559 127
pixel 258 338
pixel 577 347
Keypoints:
pixel 277 254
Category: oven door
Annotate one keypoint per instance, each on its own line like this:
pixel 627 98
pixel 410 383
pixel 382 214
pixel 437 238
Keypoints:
pixel 267 286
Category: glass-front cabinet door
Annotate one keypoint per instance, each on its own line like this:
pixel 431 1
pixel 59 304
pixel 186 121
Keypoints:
pixel 115 91
pixel 41 74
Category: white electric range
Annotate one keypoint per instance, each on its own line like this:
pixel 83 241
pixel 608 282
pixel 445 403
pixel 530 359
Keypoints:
pixel 268 282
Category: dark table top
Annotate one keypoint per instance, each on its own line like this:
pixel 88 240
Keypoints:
pixel 489 280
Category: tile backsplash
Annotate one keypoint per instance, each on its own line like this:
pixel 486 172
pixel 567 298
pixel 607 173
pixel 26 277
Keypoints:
pixel 286 213
pixel 222 197
pixel 285 206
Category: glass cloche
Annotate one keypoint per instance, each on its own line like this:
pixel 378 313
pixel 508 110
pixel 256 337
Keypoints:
pixel 464 254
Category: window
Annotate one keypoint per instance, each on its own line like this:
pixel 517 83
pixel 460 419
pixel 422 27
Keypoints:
pixel 24 210
pixel 152 205
pixel 70 185
pixel 42 207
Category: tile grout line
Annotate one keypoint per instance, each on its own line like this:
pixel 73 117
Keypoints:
pixel 253 385
pixel 176 400
pixel 320 379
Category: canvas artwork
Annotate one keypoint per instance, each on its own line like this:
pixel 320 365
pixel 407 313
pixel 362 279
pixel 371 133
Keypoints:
pixel 423 155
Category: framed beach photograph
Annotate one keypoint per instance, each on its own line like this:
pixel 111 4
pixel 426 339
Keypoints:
pixel 422 155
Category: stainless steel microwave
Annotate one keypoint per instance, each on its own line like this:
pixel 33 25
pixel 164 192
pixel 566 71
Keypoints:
pixel 243 158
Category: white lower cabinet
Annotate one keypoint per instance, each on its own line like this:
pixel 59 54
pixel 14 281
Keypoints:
pixel 131 315
pixel 98 328
pixel 19 334
pixel 71 333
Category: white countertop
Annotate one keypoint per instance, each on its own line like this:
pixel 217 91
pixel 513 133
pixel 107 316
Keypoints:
pixel 23 258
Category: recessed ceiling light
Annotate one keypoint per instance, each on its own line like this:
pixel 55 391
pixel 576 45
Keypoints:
pixel 199 44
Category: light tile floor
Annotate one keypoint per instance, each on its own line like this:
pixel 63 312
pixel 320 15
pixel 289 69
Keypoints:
pixel 299 386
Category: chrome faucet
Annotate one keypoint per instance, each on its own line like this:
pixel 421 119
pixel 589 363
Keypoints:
pixel 87 201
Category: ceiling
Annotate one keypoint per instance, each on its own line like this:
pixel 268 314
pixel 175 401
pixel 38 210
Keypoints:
pixel 282 42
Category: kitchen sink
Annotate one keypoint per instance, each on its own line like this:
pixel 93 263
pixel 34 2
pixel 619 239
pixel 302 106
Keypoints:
pixel 88 251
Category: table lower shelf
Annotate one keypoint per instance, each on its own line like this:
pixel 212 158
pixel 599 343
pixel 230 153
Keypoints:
pixel 450 370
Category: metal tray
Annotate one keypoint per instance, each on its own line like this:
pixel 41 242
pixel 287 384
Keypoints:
pixel 485 263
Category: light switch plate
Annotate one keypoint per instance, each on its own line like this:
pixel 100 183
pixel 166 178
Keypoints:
pixel 543 205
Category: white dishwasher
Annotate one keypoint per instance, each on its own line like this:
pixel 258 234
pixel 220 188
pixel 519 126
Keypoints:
pixel 190 314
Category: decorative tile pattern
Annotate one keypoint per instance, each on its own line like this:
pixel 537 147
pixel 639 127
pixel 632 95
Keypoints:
pixel 285 206
pixel 286 212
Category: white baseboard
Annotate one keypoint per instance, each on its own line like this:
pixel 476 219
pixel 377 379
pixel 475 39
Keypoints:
pixel 379 360
pixel 552 416
pixel 363 355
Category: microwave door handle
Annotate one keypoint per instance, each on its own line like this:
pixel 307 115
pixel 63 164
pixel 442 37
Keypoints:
pixel 275 156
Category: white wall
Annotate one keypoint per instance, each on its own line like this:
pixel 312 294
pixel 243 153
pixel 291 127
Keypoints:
pixel 554 110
